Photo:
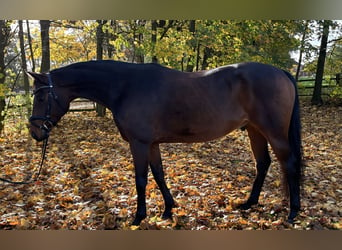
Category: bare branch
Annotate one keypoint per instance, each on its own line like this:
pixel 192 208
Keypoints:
pixel 335 40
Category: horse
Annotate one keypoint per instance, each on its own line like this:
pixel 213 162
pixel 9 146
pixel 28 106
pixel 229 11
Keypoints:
pixel 152 104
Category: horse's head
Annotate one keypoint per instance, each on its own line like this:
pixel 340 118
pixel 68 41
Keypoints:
pixel 49 105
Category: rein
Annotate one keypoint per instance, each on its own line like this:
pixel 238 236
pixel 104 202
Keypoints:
pixel 47 125
pixel 39 171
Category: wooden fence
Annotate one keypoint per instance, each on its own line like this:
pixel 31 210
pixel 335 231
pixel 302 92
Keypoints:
pixel 327 86
pixel 81 104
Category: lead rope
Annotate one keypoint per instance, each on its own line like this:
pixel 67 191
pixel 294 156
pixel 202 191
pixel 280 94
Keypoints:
pixel 39 171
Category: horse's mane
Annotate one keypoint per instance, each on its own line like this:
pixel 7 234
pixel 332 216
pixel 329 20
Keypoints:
pixel 103 64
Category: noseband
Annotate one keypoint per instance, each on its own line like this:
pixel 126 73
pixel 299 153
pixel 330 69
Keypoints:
pixel 47 122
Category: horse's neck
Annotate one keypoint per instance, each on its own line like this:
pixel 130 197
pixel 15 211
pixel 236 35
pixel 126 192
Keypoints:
pixel 99 87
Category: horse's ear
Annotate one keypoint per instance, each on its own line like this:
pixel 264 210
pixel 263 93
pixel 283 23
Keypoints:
pixel 32 74
pixel 38 76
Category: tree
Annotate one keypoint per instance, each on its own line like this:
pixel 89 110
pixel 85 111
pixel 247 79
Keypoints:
pixel 30 45
pixel 316 96
pixel 23 57
pixel 302 47
pixel 138 28
pixel 5 33
pixel 23 65
pixel 44 31
pixel 99 39
pixel 100 110
pixel 333 64
pixel 192 43
pixel 109 36
pixel 154 40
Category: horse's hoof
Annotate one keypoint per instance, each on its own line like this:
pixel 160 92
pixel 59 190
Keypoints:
pixel 290 221
pixel 167 215
pixel 293 214
pixel 137 220
pixel 247 205
pixel 244 206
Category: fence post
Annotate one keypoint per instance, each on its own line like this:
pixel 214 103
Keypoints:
pixel 338 79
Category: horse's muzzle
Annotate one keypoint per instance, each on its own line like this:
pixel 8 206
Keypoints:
pixel 40 131
pixel 39 136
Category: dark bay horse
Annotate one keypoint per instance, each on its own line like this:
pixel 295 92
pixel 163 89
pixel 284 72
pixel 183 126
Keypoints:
pixel 152 104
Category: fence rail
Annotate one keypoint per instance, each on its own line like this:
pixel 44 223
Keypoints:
pixel 327 87
pixel 81 104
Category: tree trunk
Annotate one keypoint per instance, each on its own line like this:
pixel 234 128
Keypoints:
pixel 316 97
pixel 99 40
pixel 192 43
pixel 206 55
pixel 302 46
pixel 44 33
pixel 23 57
pixel 154 40
pixel 138 36
pixel 100 110
pixel 24 67
pixel 30 45
pixel 4 37
pixel 110 37
pixel 198 56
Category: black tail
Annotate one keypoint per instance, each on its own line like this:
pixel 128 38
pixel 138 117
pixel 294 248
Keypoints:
pixel 294 134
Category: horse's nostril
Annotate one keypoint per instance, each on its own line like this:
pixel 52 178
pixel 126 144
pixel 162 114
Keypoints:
pixel 37 138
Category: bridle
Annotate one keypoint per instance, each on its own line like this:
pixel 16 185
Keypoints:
pixel 47 124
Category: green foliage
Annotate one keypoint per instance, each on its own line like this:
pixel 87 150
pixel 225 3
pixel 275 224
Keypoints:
pixel 216 43
pixel 212 43
pixel 334 62
pixel 3 91
pixel 336 95
pixel 17 110
pixel 171 49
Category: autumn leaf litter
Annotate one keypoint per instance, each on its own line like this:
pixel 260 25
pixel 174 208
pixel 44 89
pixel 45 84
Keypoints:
pixel 88 180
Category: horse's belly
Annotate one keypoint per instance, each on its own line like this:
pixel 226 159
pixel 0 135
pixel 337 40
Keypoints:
pixel 203 133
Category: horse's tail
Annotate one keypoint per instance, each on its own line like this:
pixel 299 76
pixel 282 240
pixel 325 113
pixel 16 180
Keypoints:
pixel 294 133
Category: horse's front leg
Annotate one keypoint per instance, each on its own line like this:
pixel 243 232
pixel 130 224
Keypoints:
pixel 158 174
pixel 140 153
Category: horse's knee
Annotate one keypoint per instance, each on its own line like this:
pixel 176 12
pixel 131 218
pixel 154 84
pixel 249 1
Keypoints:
pixel 140 183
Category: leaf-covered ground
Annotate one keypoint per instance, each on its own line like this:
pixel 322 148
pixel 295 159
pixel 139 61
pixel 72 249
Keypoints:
pixel 88 181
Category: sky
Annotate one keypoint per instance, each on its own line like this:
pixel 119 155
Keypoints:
pixel 333 34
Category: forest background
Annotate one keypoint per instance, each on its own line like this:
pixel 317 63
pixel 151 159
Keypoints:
pixel 309 49
pixel 300 46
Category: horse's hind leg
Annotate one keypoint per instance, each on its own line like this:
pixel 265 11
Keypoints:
pixel 158 174
pixel 289 166
pixel 263 161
